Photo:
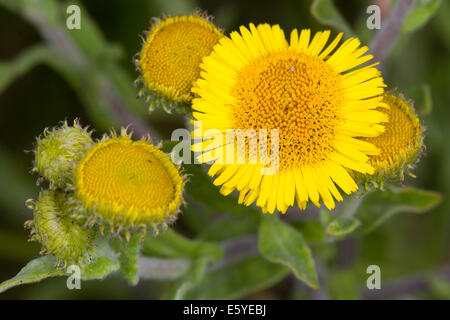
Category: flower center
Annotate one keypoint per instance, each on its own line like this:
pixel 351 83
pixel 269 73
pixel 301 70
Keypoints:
pixel 401 138
pixel 297 93
pixel 172 58
pixel 126 175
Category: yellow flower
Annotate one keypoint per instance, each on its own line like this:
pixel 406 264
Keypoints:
pixel 170 58
pixel 316 99
pixel 400 144
pixel 129 184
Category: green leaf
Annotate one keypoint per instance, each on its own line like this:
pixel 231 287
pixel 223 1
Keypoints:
pixel 281 243
pixel 326 13
pixel 35 271
pixel 312 231
pixel 423 101
pixel 378 206
pixel 44 267
pixel 237 279
pixel 341 221
pixel 419 15
pixel 128 256
pixel 342 227
pixel 172 245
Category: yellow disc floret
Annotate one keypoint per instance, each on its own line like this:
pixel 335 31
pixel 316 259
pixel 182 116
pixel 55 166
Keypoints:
pixel 400 144
pixel 129 183
pixel 298 94
pixel 170 58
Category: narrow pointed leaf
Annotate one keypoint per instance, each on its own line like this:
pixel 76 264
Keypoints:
pixel 35 271
pixel 422 11
pixel 378 206
pixel 44 267
pixel 342 227
pixel 326 13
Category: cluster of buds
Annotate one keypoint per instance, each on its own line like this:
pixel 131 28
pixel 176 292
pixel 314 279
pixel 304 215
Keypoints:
pixel 111 187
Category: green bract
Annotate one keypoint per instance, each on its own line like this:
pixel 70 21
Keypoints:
pixel 58 232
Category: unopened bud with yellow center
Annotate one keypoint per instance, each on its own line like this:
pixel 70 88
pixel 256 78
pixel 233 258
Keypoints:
pixel 400 144
pixel 59 150
pixel 55 227
pixel 170 59
pixel 128 185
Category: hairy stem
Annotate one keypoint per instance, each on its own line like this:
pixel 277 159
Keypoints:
pixel 167 269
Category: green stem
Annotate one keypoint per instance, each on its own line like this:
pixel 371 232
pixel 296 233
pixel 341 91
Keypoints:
pixel 157 268
pixel 349 206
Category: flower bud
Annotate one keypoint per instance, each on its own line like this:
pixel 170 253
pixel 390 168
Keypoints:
pixel 59 150
pixel 57 230
pixel 170 59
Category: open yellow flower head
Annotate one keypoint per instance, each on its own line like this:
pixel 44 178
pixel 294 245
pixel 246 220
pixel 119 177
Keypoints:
pixel 58 152
pixel 400 144
pixel 129 184
pixel 57 230
pixel 313 94
pixel 171 55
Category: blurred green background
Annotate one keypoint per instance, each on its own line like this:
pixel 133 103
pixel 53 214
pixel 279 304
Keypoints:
pixel 48 74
